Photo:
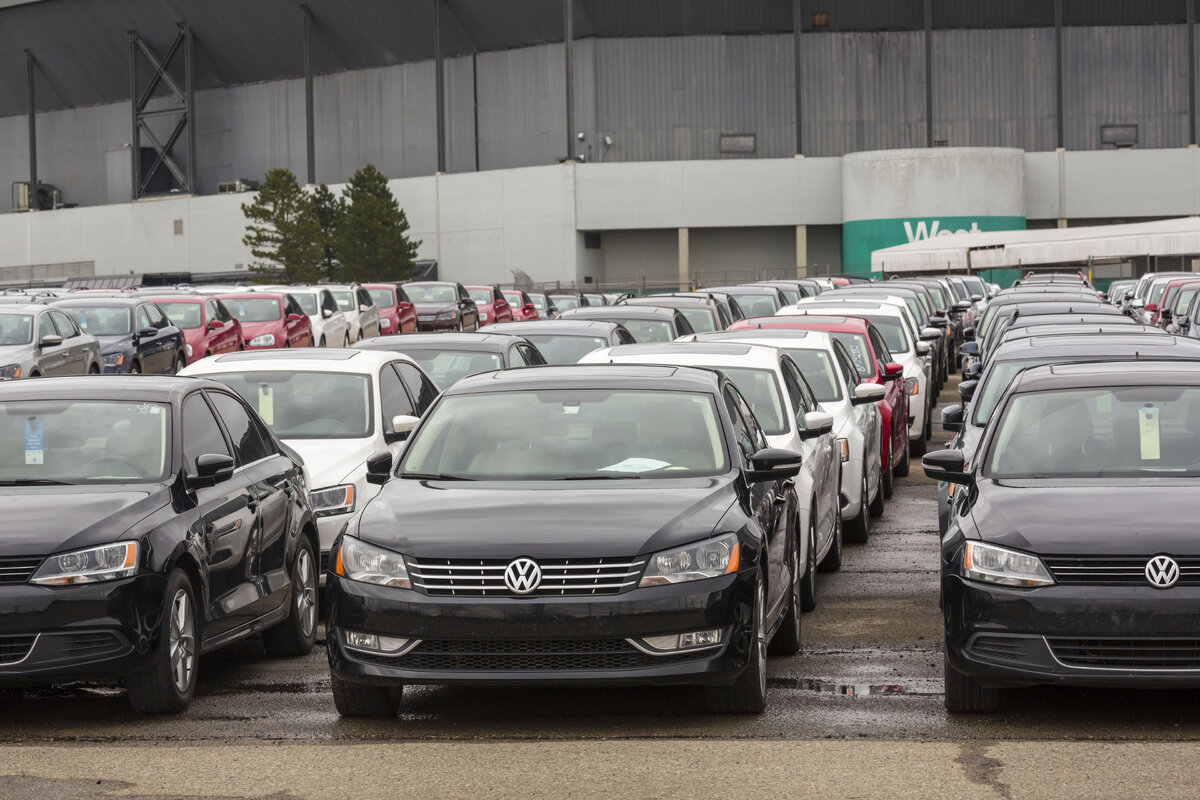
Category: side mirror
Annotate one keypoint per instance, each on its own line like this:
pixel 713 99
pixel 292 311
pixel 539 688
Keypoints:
pixel 773 464
pixel 1137 302
pixel 404 305
pixel 892 371
pixel 867 393
pixel 1151 306
pixel 931 334
pixel 215 324
pixel 379 468
pixel 294 317
pixel 938 322
pixel 969 334
pixel 147 332
pixel 947 465
pixel 1182 322
pixel 816 423
pixel 53 340
pixel 923 348
pixel 952 418
pixel 211 469
pixel 973 371
pixel 961 305
pixel 966 390
pixel 326 313
pixel 977 298
pixel 969 348
pixel 530 308
pixel 363 308
pixel 402 426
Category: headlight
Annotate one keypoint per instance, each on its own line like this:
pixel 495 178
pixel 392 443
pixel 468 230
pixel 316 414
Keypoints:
pixel 385 323
pixel 360 561
pixel 114 360
pixel 448 315
pixel 707 559
pixel 188 348
pixel 844 449
pixel 991 564
pixel 912 385
pixel 88 566
pixel 332 500
pixel 266 340
pixel 10 372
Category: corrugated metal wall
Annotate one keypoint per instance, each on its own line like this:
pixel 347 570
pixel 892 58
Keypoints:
pixel 522 115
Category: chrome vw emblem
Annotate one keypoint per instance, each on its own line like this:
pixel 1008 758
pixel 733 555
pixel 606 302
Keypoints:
pixel 523 576
pixel 1162 572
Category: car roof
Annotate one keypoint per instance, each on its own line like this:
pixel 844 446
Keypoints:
pixel 1106 374
pixel 251 295
pixel 21 308
pixel 1043 308
pixel 839 322
pixel 320 359
pixel 675 301
pixel 430 283
pixel 723 354
pixel 578 327
pixel 633 312
pixel 102 300
pixel 750 288
pixel 441 341
pixel 148 388
pixel 771 337
pixel 580 376
pixel 1115 344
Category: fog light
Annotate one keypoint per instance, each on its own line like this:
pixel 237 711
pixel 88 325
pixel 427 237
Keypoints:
pixel 681 641
pixel 391 645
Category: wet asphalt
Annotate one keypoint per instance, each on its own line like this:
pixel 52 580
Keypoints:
pixel 870 671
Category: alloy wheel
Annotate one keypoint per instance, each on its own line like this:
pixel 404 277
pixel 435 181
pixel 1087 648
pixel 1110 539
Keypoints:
pixel 182 642
pixel 760 636
pixel 306 593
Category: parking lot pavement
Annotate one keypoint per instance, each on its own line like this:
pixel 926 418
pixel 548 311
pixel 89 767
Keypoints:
pixel 870 672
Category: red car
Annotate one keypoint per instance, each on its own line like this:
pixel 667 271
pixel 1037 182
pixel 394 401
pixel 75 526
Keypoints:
pixel 521 304
pixel 491 304
pixel 1170 299
pixel 269 320
pixel 208 327
pixel 862 338
pixel 396 312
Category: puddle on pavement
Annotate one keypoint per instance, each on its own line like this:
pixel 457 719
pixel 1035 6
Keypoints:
pixel 849 689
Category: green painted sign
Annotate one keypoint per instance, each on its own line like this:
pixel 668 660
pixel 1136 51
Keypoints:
pixel 863 237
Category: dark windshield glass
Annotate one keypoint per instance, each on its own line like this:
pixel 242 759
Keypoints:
pixel 103 321
pixel 563 348
pixel 761 390
pixel 424 293
pixel 1000 375
pixel 307 405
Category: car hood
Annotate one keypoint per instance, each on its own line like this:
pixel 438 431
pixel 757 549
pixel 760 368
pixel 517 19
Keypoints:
pixel 15 354
pixel 83 515
pixel 1093 519
pixel 252 329
pixel 115 344
pixel 544 519
pixel 330 462
pixel 434 308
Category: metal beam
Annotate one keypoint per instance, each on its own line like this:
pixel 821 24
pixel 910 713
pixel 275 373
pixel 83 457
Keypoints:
pixel 440 92
pixel 569 58
pixel 30 67
pixel 797 16
pixel 1058 72
pixel 929 73
pixel 189 80
pixel 135 142
pixel 1191 34
pixel 310 145
pixel 185 110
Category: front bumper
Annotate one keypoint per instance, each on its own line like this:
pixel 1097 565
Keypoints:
pixel 850 499
pixel 434 325
pixel 541 640
pixel 1073 635
pixel 101 630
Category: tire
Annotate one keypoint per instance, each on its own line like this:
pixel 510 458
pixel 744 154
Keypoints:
pixel 808 580
pixel 917 446
pixel 287 343
pixel 168 684
pixel 748 694
pixel 362 700
pixel 135 368
pixel 93 370
pixel 832 561
pixel 859 528
pixel 964 694
pixel 786 641
pixel 296 634
pixel 902 469
pixel 346 339
pixel 458 327
pixel 889 477
pixel 877 505
pixel 322 344
pixel 180 365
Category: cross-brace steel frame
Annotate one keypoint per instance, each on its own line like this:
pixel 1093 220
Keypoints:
pixel 140 98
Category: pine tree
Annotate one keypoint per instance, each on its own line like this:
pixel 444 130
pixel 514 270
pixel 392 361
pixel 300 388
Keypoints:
pixel 328 209
pixel 282 231
pixel 371 240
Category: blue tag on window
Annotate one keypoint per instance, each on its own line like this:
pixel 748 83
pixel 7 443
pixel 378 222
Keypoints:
pixel 34 453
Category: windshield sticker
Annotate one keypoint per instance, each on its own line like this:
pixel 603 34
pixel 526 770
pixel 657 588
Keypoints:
pixel 1148 425
pixel 636 465
pixel 266 404
pixel 34 454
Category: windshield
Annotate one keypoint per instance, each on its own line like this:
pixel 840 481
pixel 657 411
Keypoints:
pixel 307 303
pixel 561 348
pixel 15 329
pixel 427 293
pixel 448 367
pixel 254 309
pixel 383 298
pixel 182 315
pixel 307 405
pixel 560 434
pixel 757 305
pixel 1130 432
pixel 345 300
pixel 939 295
pixel 702 320
pixel 860 355
pixel 760 388
pixel 648 330
pixel 84 441
pixel 514 299
pixel 565 302
pixel 817 368
pixel 1184 301
pixel 597 299
pixel 893 333
pixel 483 296
pixel 791 295
pixel 975 285
pixel 539 301
pixel 1156 292
pixel 1000 375
pixel 102 321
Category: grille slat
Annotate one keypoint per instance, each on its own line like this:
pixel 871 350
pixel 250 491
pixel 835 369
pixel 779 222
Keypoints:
pixel 1116 570
pixel 526 654
pixel 560 577
pixel 15 648
pixel 1127 653
pixel 18 569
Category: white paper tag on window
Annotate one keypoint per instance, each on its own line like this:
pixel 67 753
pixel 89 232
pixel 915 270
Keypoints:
pixel 34 454
pixel 266 404
pixel 1148 426
pixel 636 465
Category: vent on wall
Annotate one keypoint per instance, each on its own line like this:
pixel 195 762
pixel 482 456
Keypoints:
pixel 737 142
pixel 941 142
pixel 591 241
pixel 1119 136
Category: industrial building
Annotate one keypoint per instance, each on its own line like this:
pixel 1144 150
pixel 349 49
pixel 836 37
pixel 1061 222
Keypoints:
pixel 590 142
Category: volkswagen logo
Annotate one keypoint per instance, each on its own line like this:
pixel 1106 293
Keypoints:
pixel 1161 571
pixel 523 576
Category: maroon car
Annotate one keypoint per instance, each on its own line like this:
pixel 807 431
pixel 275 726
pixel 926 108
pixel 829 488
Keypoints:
pixel 397 314
pixel 269 320
pixel 208 327
pixel 522 305
pixel 491 304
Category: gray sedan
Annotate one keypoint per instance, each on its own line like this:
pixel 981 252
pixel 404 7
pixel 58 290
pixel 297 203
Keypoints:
pixel 37 341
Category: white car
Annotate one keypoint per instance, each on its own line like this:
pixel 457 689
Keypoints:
pixel 912 352
pixel 329 324
pixel 788 414
pixel 336 408
pixel 829 370
pixel 361 312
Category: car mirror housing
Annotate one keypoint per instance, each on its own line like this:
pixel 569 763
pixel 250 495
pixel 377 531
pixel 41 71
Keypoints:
pixel 326 313
pixel 293 317
pixel 966 390
pixel 773 464
pixel 961 305
pixel 215 324
pixel 379 468
pixel 364 308
pixel 401 426
pixel 893 371
pixel 866 393
pixel 938 322
pixel 53 340
pixel 923 348
pixel 952 418
pixel 947 465
pixel 931 334
pixel 144 332
pixel 969 334
pixel 211 469
pixel 969 348
pixel 816 423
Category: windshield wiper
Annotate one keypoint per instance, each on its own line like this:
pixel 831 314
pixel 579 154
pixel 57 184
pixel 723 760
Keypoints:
pixel 430 476
pixel 33 482
pixel 618 477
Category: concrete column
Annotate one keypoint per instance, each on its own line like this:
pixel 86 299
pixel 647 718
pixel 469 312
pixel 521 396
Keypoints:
pixel 685 272
pixel 801 251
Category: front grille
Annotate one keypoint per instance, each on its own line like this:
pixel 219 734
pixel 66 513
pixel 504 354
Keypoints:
pixel 526 654
pixel 15 648
pixel 90 645
pixel 18 569
pixel 1127 653
pixel 560 577
pixel 1115 570
pixel 1004 648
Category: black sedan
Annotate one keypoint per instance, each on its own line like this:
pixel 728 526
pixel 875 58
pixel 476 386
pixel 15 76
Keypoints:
pixel 147 522
pixel 450 357
pixel 565 341
pixel 571 525
pixel 1065 562
pixel 443 306
pixel 135 335
pixel 644 323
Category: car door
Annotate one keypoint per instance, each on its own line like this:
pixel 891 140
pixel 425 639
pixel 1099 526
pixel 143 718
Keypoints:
pixel 75 344
pixel 152 349
pixel 274 479
pixel 369 313
pixel 899 422
pixel 229 338
pixel 467 309
pixel 501 306
pixel 420 387
pixel 336 326
pixel 820 451
pixel 170 338
pixel 296 324
pixel 226 524
pixel 52 358
pixel 866 416
pixel 217 336
pixel 394 401
pixel 405 312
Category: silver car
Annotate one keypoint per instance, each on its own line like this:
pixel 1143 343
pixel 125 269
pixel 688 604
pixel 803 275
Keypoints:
pixel 38 341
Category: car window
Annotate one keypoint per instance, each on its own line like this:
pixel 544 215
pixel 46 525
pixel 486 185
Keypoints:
pixel 46 327
pixel 157 318
pixel 364 298
pixel 532 356
pixel 66 326
pixel 849 373
pixel 143 318
pixel 223 312
pixel 210 311
pixel 248 443
pixel 394 399
pixel 401 296
pixel 625 337
pixel 882 355
pixel 201 434
pixel 817 373
pixel 762 388
pixel 419 386
pixel 328 303
pixel 793 384
pixel 855 348
pixel 515 357
pixel 741 431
